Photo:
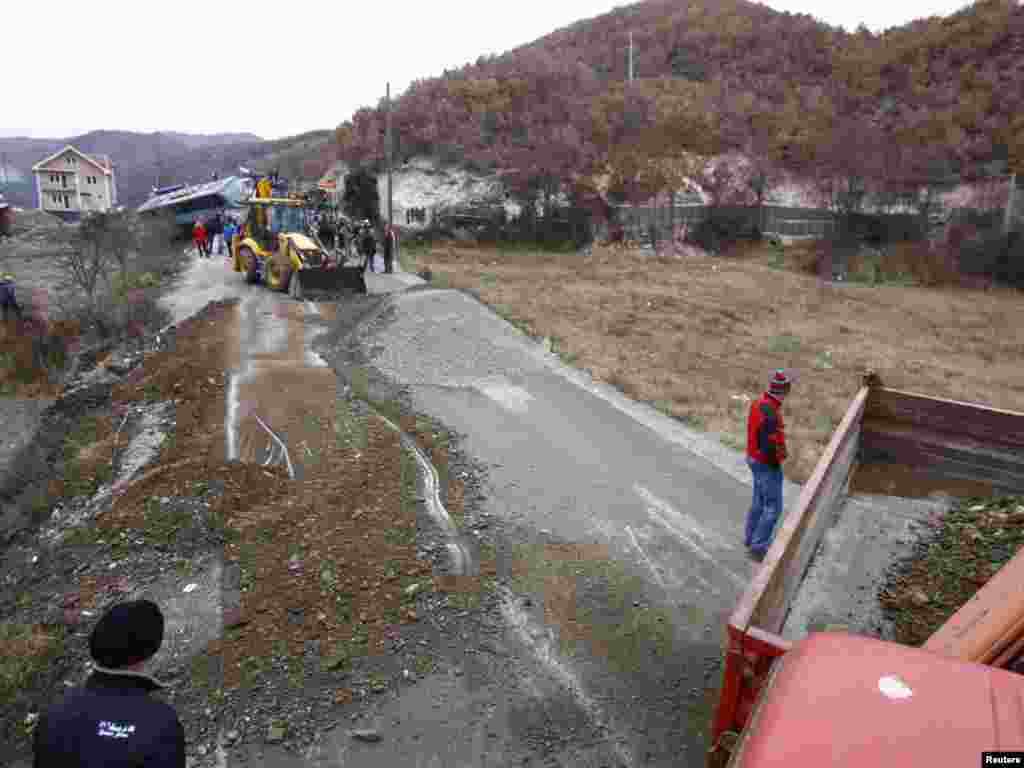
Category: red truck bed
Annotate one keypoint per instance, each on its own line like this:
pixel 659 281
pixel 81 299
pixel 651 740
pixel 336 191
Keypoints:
pixel 848 701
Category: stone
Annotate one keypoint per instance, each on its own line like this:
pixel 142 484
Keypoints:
pixel 275 733
pixel 919 597
pixel 366 735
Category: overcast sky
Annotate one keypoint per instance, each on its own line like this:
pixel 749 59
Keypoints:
pixel 277 69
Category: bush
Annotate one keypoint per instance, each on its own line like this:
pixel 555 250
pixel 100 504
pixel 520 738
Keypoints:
pixel 128 315
pixel 722 228
pixel 929 265
pixel 995 255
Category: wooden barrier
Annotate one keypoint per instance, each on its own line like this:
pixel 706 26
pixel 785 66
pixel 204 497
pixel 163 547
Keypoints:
pixel 767 599
pixel 753 630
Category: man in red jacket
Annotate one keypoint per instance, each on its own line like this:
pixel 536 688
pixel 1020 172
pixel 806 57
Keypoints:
pixel 199 238
pixel 766 450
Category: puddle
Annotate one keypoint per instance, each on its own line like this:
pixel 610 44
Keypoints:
pixel 913 483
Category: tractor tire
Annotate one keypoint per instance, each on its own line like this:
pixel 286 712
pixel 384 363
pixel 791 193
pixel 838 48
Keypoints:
pixel 249 259
pixel 295 287
pixel 278 277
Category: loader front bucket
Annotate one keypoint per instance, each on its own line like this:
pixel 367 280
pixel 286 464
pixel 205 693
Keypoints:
pixel 340 280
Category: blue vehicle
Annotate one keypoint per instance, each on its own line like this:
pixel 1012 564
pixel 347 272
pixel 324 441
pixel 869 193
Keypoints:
pixel 191 202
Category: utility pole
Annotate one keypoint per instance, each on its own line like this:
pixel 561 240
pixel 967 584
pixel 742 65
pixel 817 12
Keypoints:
pixel 631 57
pixel 387 98
pixel 1011 206
pixel 159 163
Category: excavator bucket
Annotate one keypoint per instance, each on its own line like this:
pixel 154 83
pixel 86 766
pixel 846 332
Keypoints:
pixel 322 274
pixel 339 280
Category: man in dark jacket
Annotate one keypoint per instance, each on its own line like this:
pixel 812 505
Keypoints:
pixel 390 246
pixel 110 721
pixel 369 246
pixel 766 450
pixel 7 298
pixel 216 234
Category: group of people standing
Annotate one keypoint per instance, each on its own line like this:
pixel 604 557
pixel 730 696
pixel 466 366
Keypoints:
pixel 362 238
pixel 368 248
pixel 209 236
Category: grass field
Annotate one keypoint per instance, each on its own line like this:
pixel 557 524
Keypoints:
pixel 698 336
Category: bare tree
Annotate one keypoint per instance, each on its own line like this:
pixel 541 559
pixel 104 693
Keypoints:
pixel 85 261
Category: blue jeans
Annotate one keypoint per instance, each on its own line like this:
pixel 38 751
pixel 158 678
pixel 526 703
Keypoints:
pixel 766 506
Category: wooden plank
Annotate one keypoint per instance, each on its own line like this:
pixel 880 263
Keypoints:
pixel 964 420
pixel 796 534
pixel 989 622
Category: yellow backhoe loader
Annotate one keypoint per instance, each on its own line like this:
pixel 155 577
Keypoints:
pixel 275 248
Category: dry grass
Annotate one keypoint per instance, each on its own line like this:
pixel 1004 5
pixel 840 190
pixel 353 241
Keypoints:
pixel 693 335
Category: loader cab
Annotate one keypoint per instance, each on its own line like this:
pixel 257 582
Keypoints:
pixel 266 223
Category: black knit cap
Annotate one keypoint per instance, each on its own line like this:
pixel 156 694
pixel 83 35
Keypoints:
pixel 127 634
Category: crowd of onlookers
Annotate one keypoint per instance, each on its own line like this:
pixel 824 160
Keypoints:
pixel 210 234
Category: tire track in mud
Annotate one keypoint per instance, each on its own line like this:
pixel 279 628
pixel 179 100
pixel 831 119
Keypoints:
pixel 460 557
pixel 273 348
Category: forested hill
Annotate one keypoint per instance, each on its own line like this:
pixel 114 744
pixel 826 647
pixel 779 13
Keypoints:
pixel 936 96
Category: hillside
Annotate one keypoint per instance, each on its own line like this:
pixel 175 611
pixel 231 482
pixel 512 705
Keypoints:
pixel 714 75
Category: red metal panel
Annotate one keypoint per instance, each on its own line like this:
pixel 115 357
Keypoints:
pixel 747 662
pixel 847 701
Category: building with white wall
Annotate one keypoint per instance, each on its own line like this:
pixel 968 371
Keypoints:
pixel 70 183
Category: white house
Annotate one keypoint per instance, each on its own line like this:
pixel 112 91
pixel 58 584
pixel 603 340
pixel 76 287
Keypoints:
pixel 70 183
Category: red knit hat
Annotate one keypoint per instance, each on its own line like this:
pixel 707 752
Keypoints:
pixel 780 383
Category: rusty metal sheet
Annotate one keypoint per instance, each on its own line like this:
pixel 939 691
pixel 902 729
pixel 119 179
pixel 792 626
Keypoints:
pixel 989 426
pixel 956 456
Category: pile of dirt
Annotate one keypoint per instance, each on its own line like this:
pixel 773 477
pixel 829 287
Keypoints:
pixel 965 549
pixel 323 582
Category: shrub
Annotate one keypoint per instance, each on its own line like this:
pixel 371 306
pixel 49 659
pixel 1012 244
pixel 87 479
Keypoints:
pixel 929 265
pixel 722 228
pixel 994 255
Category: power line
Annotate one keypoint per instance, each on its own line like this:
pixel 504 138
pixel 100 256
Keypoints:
pixel 631 56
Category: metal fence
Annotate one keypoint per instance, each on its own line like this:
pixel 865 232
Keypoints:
pixel 639 222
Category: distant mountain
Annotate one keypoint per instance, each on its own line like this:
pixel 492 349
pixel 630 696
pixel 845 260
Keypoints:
pixel 140 159
pixel 938 93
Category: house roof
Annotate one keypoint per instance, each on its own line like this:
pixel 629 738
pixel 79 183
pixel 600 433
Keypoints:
pixel 91 160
